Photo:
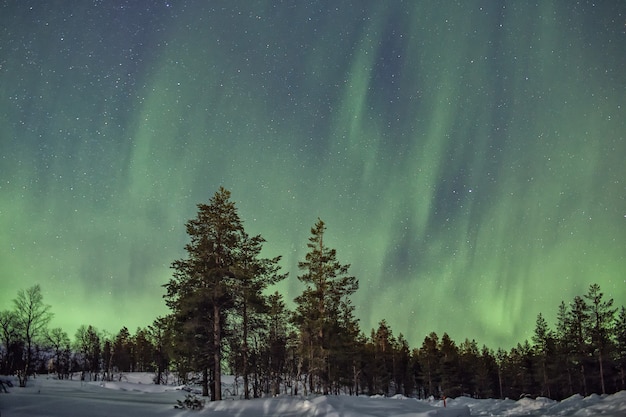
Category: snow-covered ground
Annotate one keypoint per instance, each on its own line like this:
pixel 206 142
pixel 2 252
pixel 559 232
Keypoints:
pixel 136 396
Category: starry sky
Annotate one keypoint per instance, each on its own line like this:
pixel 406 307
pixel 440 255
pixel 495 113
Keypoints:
pixel 466 156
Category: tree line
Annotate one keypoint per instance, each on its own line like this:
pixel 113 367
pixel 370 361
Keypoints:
pixel 28 346
pixel 224 319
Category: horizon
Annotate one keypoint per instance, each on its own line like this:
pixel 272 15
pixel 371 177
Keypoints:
pixel 466 159
pixel 111 332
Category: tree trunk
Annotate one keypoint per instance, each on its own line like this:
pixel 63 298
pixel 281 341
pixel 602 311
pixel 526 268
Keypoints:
pixel 205 382
pixel 430 381
pixel 246 394
pixel 584 379
pixel 217 357
pixel 569 380
pixel 545 378
pixel 23 377
pixel 601 371
pixel 211 384
pixel 159 369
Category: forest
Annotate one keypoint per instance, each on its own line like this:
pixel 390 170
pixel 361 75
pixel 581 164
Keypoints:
pixel 224 319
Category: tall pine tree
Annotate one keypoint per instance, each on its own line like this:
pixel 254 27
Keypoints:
pixel 319 307
pixel 200 291
pixel 601 316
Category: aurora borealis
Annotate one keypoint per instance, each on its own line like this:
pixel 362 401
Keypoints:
pixel 467 157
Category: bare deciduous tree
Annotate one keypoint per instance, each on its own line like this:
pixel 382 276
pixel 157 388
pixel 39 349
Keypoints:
pixel 32 317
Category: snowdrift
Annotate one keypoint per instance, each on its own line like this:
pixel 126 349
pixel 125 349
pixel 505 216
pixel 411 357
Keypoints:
pixel 135 395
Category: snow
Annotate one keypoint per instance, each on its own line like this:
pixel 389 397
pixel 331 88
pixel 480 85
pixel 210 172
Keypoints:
pixel 135 395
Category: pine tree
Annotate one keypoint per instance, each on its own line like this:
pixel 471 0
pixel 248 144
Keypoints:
pixel 107 360
pixel 469 363
pixel 502 358
pixel 403 375
pixel 343 347
pixel 88 343
pixel 416 374
pixel 383 341
pixel 277 340
pixel 252 275
pixel 121 358
pixel 486 374
pixel 192 330
pixel 143 350
pixel 429 360
pixel 565 347
pixel 449 365
pixel 521 363
pixel 601 316
pixel 200 291
pixel 161 334
pixel 368 372
pixel 577 326
pixel 216 295
pixel 328 285
pixel 620 344
pixel 543 341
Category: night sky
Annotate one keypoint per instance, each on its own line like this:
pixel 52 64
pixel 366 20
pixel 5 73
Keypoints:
pixel 468 157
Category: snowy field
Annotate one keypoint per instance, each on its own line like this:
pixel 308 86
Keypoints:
pixel 136 396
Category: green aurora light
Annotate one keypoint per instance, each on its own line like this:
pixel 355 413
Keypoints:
pixel 467 159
